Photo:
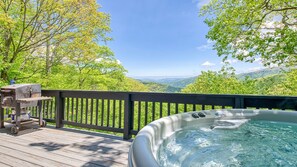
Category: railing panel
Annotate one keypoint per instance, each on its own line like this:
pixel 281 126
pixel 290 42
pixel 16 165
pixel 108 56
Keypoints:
pixel 96 110
pixel 48 107
pixel 185 98
pixel 128 112
pixel 271 102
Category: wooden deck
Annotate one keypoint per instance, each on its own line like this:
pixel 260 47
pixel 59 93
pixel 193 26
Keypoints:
pixel 61 147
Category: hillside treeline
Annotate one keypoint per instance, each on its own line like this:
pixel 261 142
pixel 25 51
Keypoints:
pixel 226 82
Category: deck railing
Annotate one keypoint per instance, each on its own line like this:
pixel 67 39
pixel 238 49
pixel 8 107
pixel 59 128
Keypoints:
pixel 128 112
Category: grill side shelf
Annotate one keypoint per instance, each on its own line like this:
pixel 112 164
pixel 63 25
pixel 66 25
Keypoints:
pixel 27 100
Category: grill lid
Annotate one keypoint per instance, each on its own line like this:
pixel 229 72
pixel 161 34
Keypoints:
pixel 15 86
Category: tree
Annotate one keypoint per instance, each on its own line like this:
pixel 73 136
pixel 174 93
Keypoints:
pixel 27 26
pixel 246 29
pixel 222 82
pixel 287 87
pixel 130 84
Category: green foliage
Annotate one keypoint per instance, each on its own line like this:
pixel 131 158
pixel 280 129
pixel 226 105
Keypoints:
pixel 57 44
pixel 218 83
pixel 262 73
pixel 130 84
pixel 264 85
pixel 225 82
pixel 287 87
pixel 222 82
pixel 248 29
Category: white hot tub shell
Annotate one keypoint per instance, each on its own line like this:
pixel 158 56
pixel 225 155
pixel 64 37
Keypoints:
pixel 145 145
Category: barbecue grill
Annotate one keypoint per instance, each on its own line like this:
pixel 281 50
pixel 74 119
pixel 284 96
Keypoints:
pixel 19 97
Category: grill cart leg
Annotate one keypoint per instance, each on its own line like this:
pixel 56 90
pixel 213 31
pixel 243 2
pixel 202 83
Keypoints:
pixel 40 112
pixel 42 122
pixel 14 129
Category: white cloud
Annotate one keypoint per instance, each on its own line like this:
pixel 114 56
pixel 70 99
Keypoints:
pixel 208 45
pixel 253 69
pixel 208 64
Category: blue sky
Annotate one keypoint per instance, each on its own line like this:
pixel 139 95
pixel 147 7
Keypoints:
pixel 163 38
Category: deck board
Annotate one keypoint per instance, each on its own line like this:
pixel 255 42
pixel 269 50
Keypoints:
pixel 62 147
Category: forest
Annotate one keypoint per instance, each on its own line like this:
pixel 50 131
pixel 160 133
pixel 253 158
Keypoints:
pixel 62 45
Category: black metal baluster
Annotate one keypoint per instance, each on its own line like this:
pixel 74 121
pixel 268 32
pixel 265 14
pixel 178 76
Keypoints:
pixel 47 109
pixel 120 113
pixel 108 111
pixel 97 101
pixel 87 110
pixel 92 108
pixel 153 112
pixel 161 109
pixel 102 112
pixel 81 109
pixel 67 116
pixel 51 110
pixel 146 112
pixel 168 109
pixel 72 109
pixel 139 114
pixel 76 109
pixel 113 114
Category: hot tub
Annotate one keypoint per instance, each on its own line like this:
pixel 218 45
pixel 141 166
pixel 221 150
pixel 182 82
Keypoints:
pixel 144 149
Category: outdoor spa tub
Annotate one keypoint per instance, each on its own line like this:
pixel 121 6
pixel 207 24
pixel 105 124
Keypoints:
pixel 218 138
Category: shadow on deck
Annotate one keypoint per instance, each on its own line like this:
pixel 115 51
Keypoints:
pixel 62 147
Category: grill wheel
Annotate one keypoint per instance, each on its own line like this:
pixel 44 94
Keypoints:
pixel 15 129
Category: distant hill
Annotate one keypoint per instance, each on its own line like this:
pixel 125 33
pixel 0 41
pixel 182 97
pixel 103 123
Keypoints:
pixel 262 73
pixel 265 83
pixel 157 87
pixel 173 82
pixel 162 84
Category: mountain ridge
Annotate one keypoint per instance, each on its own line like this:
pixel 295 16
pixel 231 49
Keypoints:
pixel 175 84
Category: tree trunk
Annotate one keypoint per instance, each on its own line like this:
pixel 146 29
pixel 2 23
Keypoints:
pixel 7 43
pixel 47 58
pixel 4 75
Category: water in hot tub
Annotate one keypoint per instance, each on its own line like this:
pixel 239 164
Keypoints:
pixel 256 143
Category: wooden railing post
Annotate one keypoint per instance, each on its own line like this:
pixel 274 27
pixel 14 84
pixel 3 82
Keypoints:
pixel 239 102
pixel 1 114
pixel 59 110
pixel 128 117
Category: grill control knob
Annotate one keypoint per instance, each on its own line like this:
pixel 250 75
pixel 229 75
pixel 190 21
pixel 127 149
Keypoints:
pixel 201 114
pixel 195 115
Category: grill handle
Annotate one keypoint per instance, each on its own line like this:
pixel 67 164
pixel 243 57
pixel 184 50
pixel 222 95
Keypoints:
pixel 5 91
pixel 7 100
